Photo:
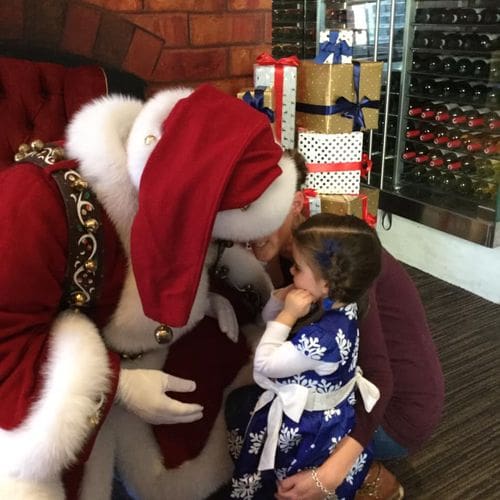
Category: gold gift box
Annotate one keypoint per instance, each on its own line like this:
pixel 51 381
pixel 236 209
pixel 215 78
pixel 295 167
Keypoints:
pixel 323 84
pixel 345 204
pixel 268 95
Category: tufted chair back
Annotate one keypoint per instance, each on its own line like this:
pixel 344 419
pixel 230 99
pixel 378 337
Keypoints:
pixel 37 99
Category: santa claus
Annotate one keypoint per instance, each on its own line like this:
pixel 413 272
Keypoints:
pixel 106 300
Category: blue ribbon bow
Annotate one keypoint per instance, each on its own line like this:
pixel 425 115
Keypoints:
pixel 257 102
pixel 333 46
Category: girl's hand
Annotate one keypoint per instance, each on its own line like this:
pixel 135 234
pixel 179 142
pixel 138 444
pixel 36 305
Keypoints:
pixel 298 302
pixel 281 293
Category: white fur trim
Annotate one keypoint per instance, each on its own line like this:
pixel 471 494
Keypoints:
pixel 18 489
pixel 149 123
pixel 97 137
pixel 76 376
pixel 264 215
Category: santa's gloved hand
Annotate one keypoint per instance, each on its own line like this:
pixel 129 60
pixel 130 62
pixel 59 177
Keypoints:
pixel 221 309
pixel 143 393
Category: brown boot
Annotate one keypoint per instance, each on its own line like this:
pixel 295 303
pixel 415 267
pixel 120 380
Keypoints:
pixel 380 484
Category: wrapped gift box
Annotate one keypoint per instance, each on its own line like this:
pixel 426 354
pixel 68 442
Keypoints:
pixel 333 161
pixel 319 86
pixel 364 205
pixel 335 47
pixel 282 76
pixel 259 97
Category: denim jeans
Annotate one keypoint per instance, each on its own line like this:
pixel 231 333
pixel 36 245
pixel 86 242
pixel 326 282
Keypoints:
pixel 386 448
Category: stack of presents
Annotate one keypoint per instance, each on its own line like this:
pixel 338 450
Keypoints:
pixel 322 107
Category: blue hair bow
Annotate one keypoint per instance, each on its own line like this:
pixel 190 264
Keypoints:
pixel 257 102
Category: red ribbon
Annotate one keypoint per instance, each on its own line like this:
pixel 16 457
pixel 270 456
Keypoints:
pixel 266 59
pixel 365 166
pixel 308 194
pixel 369 218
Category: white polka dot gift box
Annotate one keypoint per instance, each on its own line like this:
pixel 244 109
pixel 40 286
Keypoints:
pixel 334 161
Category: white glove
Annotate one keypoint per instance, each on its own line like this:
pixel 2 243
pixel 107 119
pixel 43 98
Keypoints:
pixel 143 393
pixel 221 309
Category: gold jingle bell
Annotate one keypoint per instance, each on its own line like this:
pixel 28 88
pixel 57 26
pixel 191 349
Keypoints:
pixel 90 266
pixel 24 148
pixel 58 153
pixel 92 225
pixel 163 334
pixel 78 299
pixel 79 184
pixel 37 145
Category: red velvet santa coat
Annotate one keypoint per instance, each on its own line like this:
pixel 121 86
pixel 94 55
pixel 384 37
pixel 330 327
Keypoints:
pixel 58 370
pixel 33 245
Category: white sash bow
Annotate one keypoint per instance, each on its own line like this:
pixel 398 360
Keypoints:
pixel 293 399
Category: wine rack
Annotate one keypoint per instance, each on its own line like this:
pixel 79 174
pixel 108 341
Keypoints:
pixel 447 166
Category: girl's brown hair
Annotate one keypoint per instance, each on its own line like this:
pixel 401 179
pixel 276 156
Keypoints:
pixel 344 251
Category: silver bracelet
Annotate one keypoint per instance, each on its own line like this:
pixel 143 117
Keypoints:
pixel 329 495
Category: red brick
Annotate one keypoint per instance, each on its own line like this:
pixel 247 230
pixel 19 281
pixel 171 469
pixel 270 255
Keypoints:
pixel 241 59
pixel 191 65
pixel 118 5
pixel 172 28
pixel 143 54
pixel 234 85
pixel 113 39
pixel 249 4
pixel 185 5
pixel 227 29
pixel 80 29
pixel 268 28
pixel 11 19
pixel 44 22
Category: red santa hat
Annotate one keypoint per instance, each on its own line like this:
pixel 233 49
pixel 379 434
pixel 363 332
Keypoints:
pixel 215 153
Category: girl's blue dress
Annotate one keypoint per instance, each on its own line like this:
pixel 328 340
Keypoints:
pixel 309 442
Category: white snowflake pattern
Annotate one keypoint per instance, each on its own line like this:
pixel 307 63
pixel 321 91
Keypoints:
pixel 357 467
pixel 344 346
pixel 354 359
pixel 301 379
pixel 235 443
pixel 329 414
pixel 246 486
pixel 281 473
pixel 351 311
pixel 324 386
pixel 311 347
pixel 256 438
pixel 335 441
pixel 289 438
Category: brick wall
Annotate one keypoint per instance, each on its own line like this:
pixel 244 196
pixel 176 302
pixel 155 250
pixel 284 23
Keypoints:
pixel 165 42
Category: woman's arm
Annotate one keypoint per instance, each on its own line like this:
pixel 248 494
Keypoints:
pixel 331 474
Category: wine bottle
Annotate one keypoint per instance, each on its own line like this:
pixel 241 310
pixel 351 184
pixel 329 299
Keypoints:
pixel 459 115
pixel 434 64
pixel 432 177
pixel 441 134
pixel 482 118
pixel 422 39
pixel 479 93
pixel 413 130
pixel 487 168
pixel 415 107
pixel 444 160
pixel 429 110
pixel 422 15
pixel 492 146
pixel 417 173
pixel 483 190
pixel 463 91
pixel 494 125
pixel 480 68
pixel 449 16
pixel 464 67
pixel 467 16
pixel 433 87
pixel 470 42
pixel 449 66
pixel 468 164
pixel 492 98
pixel 487 42
pixel 478 142
pixel 489 16
pixel 463 185
pixel 409 153
pixel 427 133
pixel 448 181
pixel 435 16
pixel 445 112
pixel 462 141
pixel 452 41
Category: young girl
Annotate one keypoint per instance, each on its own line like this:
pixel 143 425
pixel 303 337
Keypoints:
pixel 308 368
